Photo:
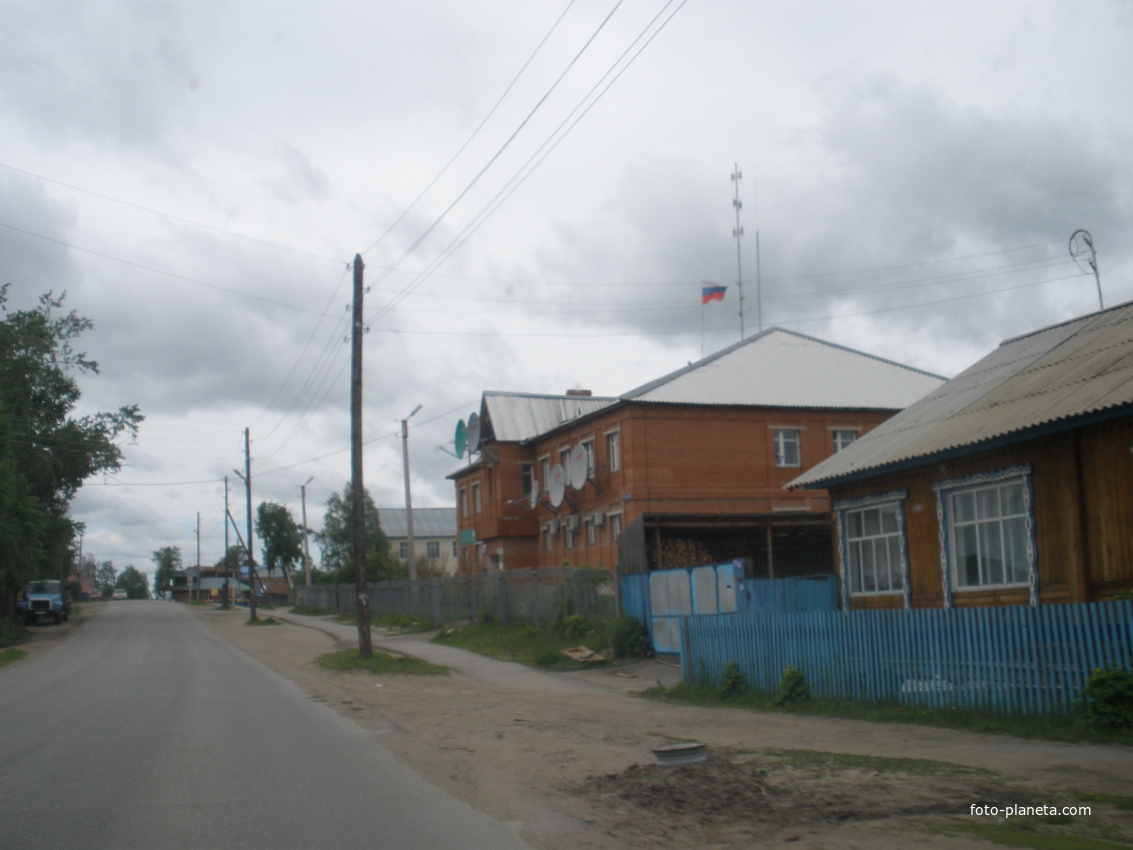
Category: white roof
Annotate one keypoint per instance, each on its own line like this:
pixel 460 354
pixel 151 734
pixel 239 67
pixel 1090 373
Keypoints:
pixel 427 522
pixel 515 417
pixel 779 368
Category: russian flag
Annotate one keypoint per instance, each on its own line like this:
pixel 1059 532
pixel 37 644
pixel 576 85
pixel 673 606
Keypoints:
pixel 712 293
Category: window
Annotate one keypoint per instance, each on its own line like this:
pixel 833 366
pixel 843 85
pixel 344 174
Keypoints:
pixel 615 526
pixel 988 533
pixel 843 437
pixel 463 502
pixel 403 550
pixel 614 451
pixel 432 549
pixel 527 470
pixel 873 559
pixel 787 447
pixel 592 533
pixel 476 498
pixel 454 548
pixel 548 539
pixel 588 445
pixel 545 472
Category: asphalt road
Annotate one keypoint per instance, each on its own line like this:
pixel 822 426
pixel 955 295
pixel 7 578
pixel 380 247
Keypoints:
pixel 144 731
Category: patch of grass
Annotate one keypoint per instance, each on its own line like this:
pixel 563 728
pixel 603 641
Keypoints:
pixel 540 648
pixel 1025 835
pixel 816 759
pixel 312 611
pixel 380 662
pixel 1118 801
pixel 7 656
pixel 406 623
pixel 12 634
pixel 1071 728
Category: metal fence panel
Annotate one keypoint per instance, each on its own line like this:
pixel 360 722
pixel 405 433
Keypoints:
pixel 1025 660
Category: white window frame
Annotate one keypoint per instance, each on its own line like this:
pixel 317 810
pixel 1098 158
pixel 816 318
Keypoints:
pixel 432 549
pixel 860 545
pixel 463 502
pixel 591 533
pixel 403 550
pixel 615 521
pixel 839 437
pixel 545 471
pixel 614 451
pixel 1008 529
pixel 588 446
pixel 785 438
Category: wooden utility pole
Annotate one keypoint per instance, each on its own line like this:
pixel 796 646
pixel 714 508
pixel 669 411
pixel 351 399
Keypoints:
pixel 247 476
pixel 358 508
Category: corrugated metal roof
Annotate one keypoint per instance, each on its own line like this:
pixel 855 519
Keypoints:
pixel 779 368
pixel 1073 369
pixel 515 417
pixel 427 522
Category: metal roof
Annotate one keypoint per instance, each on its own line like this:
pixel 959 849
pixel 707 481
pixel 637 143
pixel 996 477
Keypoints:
pixel 779 368
pixel 516 417
pixel 427 522
pixel 1056 374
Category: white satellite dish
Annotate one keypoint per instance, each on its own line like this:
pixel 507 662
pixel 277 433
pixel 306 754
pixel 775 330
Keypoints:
pixel 473 433
pixel 534 494
pixel 556 487
pixel 578 466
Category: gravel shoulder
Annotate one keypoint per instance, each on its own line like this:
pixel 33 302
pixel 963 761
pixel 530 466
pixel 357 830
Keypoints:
pixel 567 758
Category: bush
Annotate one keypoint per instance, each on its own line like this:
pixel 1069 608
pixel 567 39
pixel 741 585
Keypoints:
pixel 629 638
pixel 734 682
pixel 1107 699
pixel 792 688
pixel 575 626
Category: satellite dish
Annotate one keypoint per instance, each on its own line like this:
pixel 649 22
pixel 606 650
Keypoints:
pixel 578 467
pixel 534 494
pixel 460 438
pixel 556 487
pixel 473 433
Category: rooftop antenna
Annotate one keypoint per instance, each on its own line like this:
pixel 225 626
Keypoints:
pixel 737 234
pixel 1081 245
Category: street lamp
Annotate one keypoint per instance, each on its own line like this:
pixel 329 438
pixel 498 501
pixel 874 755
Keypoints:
pixel 306 549
pixel 409 501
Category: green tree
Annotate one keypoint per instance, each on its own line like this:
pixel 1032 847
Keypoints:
pixel 45 452
pixel 106 576
pixel 233 560
pixel 167 561
pixel 281 536
pixel 336 540
pixel 134 583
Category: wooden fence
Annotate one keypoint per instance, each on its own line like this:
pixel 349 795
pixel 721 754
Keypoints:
pixel 537 597
pixel 1025 660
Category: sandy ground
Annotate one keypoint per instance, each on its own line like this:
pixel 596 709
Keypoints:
pixel 567 758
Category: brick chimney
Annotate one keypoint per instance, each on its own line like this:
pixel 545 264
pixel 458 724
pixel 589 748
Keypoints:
pixel 579 392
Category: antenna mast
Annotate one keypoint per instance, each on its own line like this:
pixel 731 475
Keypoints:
pixel 1078 239
pixel 737 234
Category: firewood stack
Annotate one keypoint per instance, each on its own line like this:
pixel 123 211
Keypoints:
pixel 679 552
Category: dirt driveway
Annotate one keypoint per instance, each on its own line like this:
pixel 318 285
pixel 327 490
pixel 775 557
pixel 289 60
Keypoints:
pixel 567 759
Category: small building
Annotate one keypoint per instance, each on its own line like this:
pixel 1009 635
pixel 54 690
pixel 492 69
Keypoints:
pixel 687 469
pixel 434 536
pixel 1011 484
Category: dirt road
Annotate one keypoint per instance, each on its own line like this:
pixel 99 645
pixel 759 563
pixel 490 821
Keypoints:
pixel 567 758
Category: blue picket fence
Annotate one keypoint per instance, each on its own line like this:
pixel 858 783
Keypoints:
pixel 1025 660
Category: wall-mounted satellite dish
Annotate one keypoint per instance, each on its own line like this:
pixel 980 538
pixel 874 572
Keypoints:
pixel 460 438
pixel 473 433
pixel 533 496
pixel 577 467
pixel 556 487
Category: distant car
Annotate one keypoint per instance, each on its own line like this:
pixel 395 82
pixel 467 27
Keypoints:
pixel 47 599
pixel 119 594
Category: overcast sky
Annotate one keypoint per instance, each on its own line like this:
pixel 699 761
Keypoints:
pixel 539 190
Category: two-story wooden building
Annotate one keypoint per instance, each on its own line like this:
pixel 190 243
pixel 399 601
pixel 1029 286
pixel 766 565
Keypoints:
pixel 689 468
pixel 1011 484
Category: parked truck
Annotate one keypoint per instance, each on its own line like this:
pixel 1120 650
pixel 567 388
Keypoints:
pixel 47 598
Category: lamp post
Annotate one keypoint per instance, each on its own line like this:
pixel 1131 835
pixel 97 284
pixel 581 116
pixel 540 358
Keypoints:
pixel 306 549
pixel 409 503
